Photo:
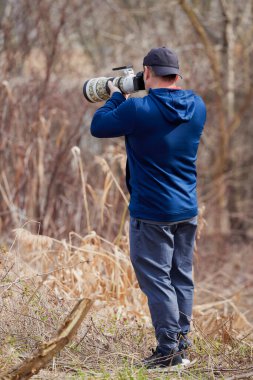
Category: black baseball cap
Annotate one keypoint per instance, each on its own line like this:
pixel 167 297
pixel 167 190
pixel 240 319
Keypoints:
pixel 163 61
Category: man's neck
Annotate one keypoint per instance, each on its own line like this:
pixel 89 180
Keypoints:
pixel 164 84
pixel 171 87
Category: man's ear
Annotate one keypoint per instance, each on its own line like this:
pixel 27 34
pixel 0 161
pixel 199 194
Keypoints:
pixel 147 72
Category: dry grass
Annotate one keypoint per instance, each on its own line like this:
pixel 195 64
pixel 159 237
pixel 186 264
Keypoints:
pixel 41 278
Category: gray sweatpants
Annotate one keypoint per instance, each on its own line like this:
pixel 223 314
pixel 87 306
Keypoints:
pixel 162 256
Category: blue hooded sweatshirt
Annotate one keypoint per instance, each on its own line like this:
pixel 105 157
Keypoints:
pixel 162 132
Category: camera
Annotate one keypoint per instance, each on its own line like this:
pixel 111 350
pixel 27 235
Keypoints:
pixel 97 90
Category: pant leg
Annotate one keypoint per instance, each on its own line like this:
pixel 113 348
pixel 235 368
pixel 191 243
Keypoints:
pixel 151 252
pixel 181 272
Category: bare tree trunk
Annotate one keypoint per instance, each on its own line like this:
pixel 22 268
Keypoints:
pixel 2 8
pixel 220 164
pixel 228 11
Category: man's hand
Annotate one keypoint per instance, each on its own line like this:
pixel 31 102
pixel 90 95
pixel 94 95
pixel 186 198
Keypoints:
pixel 113 89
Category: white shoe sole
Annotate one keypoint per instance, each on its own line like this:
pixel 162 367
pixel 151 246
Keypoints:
pixel 174 368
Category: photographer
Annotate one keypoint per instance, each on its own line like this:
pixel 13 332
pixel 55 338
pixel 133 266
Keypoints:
pixel 162 132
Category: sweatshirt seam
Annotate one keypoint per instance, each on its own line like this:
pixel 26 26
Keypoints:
pixel 169 216
pixel 179 211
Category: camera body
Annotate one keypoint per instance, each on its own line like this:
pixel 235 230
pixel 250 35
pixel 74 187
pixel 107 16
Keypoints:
pixel 97 90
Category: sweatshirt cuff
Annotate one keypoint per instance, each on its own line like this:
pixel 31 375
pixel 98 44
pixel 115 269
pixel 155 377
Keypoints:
pixel 118 96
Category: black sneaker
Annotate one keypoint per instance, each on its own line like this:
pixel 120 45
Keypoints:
pixel 158 359
pixel 183 344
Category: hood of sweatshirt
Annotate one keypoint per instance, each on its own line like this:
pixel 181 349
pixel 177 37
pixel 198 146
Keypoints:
pixel 176 105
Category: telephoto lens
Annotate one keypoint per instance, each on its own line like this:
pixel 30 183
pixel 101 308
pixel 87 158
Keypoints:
pixel 97 90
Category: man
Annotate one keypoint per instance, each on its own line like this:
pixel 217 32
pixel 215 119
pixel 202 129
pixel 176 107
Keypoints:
pixel 162 132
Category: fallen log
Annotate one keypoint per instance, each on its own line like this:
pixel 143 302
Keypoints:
pixel 48 350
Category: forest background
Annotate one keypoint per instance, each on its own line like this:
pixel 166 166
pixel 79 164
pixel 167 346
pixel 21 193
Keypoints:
pixel 63 199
